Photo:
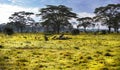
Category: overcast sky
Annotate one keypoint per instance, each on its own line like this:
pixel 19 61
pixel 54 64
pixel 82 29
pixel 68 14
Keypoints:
pixel 82 7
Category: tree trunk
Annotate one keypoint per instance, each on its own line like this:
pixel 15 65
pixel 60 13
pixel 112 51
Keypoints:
pixel 46 29
pixel 58 29
pixel 32 29
pixel 18 29
pixel 54 29
pixel 98 28
pixel 21 29
pixel 116 29
pixel 109 29
pixel 85 29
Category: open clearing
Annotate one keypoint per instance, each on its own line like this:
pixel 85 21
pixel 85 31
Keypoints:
pixel 81 52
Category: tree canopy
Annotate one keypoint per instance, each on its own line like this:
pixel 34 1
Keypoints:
pixel 20 19
pixel 56 16
pixel 56 19
pixel 109 16
pixel 85 22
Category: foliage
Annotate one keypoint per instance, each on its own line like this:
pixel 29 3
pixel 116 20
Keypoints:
pixel 1 46
pixel 20 19
pixel 108 15
pixel 56 19
pixel 85 22
pixel 75 31
pixel 8 31
pixel 56 16
pixel 104 32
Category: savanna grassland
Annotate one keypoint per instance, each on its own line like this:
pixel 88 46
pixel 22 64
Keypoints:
pixel 29 51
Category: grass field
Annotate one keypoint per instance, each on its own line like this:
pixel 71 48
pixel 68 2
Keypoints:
pixel 81 52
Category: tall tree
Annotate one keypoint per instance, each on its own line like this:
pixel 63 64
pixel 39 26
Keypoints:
pixel 116 21
pixel 20 19
pixel 107 15
pixel 56 16
pixel 84 22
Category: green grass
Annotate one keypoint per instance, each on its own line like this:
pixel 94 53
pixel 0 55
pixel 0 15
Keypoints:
pixel 28 51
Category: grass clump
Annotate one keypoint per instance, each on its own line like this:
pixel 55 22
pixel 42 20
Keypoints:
pixel 23 60
pixel 86 52
pixel 8 31
pixel 1 46
pixel 108 54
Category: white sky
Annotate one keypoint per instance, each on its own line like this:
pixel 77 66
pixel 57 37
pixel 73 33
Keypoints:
pixel 7 10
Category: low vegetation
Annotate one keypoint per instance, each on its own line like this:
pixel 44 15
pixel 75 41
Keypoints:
pixel 27 51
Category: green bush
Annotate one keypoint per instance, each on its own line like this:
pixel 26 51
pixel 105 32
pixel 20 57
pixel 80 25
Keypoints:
pixel 103 32
pixel 8 31
pixel 1 46
pixel 75 32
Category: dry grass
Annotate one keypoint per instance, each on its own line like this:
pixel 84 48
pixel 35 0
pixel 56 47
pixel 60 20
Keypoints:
pixel 82 52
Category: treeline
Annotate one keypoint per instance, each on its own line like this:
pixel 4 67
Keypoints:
pixel 55 19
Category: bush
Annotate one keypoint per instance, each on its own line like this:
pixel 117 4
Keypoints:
pixel 75 32
pixel 8 31
pixel 0 30
pixel 96 32
pixel 103 32
pixel 1 46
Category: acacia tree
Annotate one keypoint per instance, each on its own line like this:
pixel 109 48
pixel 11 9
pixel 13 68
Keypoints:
pixel 116 22
pixel 20 19
pixel 56 16
pixel 84 22
pixel 108 16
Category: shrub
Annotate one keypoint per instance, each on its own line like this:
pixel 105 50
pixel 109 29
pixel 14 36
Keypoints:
pixel 1 46
pixel 23 60
pixel 105 68
pixel 103 32
pixel 46 38
pixel 108 54
pixel 8 31
pixel 75 32
pixel 76 47
pixel 96 32
pixel 0 30
pixel 89 57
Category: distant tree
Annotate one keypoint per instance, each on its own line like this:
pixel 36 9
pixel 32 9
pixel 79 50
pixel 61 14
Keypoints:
pixel 56 16
pixel 75 31
pixel 20 19
pixel 108 15
pixel 70 27
pixel 93 26
pixel 8 31
pixel 84 22
pixel 116 22
pixel 97 20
